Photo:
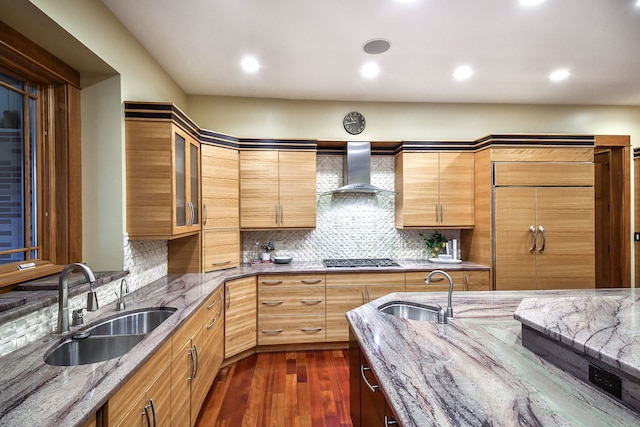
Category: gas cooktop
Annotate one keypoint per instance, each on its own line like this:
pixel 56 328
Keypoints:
pixel 359 262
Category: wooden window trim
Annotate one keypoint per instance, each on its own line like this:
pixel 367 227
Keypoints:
pixel 60 194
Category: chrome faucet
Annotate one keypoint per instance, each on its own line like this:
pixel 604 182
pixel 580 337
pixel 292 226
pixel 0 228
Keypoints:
pixel 124 288
pixel 449 314
pixel 63 294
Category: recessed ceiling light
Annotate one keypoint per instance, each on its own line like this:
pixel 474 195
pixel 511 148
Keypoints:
pixel 370 69
pixel 558 75
pixel 376 46
pixel 462 73
pixel 531 2
pixel 250 64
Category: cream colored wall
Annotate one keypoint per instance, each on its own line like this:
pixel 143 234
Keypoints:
pixel 139 78
pixel 277 118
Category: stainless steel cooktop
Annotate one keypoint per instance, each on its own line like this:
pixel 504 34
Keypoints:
pixel 359 262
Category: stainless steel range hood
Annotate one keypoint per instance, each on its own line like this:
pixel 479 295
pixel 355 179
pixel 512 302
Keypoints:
pixel 357 171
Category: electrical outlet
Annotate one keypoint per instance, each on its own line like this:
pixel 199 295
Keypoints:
pixel 607 381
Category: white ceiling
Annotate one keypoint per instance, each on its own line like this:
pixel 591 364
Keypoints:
pixel 312 49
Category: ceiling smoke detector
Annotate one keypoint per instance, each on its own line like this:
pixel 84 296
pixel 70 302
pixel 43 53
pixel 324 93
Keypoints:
pixel 376 46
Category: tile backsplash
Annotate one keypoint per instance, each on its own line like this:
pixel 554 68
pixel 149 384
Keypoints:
pixel 348 225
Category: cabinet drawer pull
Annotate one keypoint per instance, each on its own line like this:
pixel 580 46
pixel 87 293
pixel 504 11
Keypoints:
pixel 272 303
pixel 213 322
pixel 311 301
pixel 212 304
pixel 434 279
pixel 389 421
pixel 221 263
pixel 145 412
pixel 228 297
pixel 272 331
pixel 310 329
pixel 153 412
pixel 271 282
pixel 373 388
pixel 311 281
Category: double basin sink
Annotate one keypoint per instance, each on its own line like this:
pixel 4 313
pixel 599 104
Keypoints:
pixel 107 339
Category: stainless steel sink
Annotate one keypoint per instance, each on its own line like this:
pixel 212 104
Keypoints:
pixel 108 339
pixel 92 349
pixel 413 311
pixel 133 322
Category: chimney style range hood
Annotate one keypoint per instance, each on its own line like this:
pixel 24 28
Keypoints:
pixel 357 171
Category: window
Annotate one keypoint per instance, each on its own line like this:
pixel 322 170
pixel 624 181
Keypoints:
pixel 18 171
pixel 40 171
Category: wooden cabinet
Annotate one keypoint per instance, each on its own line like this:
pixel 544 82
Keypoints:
pixel 277 189
pixel 465 280
pixel 212 352
pixel 145 398
pixel 347 291
pixel 240 316
pixel 163 180
pixel 185 375
pixel 220 208
pixel 476 280
pixel 544 226
pixel 291 309
pixel 368 405
pixel 435 189
pixel 544 238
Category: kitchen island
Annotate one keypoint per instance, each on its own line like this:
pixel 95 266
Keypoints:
pixel 474 370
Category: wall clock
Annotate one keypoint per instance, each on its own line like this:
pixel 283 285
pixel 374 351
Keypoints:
pixel 353 123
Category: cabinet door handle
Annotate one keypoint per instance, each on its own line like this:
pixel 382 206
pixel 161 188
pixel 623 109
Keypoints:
pixel 441 212
pixel 145 412
pixel 221 262
pixel 204 214
pixel 311 301
pixel 272 303
pixel 228 297
pixel 193 364
pixel 311 281
pixel 368 296
pixel 466 282
pixel 281 215
pixel 271 282
pixel 373 388
pixel 363 300
pixel 532 229
pixel 277 222
pixel 544 239
pixel 310 329
pixel 272 331
pixel 389 421
pixel 220 305
pixel 437 215
pixel 153 412
pixel 195 349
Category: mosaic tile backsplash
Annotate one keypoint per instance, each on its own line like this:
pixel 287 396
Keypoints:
pixel 348 225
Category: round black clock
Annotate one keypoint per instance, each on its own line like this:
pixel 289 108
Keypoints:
pixel 353 123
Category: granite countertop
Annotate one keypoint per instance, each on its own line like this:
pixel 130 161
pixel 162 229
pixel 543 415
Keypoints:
pixel 605 327
pixel 474 370
pixel 33 393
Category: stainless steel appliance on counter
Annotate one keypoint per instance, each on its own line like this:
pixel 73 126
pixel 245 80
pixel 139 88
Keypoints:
pixel 359 263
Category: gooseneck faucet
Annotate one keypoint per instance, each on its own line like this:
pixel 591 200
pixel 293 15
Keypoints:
pixel 63 294
pixel 449 313
pixel 124 288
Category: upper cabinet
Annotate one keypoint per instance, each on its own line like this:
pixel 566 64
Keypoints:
pixel 277 189
pixel 220 208
pixel 163 180
pixel 435 189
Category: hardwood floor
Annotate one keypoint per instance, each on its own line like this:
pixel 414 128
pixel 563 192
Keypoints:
pixel 292 389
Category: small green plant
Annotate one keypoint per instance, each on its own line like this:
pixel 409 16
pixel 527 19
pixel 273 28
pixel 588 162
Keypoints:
pixel 434 243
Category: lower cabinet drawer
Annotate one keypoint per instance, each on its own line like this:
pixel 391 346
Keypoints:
pixel 293 301
pixel 291 329
pixel 416 282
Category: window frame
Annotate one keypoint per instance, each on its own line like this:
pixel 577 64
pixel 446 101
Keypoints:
pixel 59 156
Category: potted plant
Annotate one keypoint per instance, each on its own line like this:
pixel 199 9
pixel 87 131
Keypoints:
pixel 267 247
pixel 435 243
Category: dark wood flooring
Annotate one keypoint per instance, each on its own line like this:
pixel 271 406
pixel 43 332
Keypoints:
pixel 288 389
